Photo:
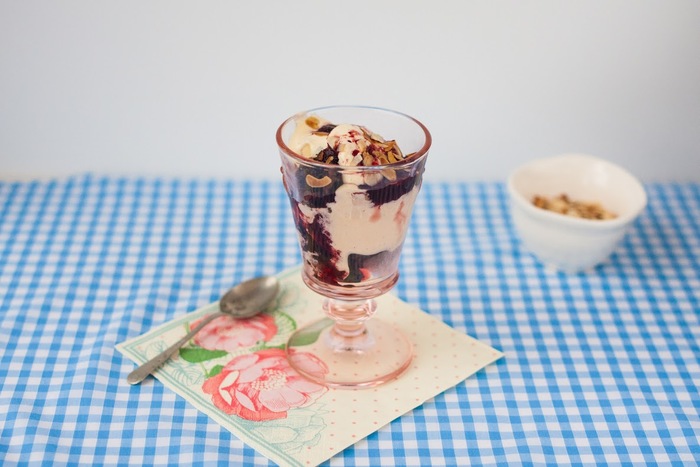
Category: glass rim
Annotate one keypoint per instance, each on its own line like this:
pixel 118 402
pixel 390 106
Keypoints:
pixel 415 156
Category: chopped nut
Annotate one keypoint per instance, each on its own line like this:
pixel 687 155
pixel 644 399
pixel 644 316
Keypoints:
pixel 314 182
pixel 312 122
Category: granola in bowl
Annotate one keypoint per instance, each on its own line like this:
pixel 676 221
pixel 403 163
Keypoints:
pixel 562 204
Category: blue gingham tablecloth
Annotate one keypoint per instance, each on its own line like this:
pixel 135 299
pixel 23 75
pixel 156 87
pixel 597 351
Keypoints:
pixel 599 368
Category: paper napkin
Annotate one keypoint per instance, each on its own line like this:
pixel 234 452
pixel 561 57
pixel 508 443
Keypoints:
pixel 235 372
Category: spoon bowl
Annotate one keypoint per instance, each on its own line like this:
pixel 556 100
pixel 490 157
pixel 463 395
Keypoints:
pixel 249 298
pixel 245 300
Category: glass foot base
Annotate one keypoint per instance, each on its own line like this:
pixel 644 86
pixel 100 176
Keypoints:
pixel 375 356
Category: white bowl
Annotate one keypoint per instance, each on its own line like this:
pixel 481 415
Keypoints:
pixel 568 243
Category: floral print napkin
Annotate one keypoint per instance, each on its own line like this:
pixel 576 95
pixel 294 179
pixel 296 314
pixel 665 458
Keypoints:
pixel 237 373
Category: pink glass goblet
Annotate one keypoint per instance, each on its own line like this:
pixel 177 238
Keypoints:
pixel 352 222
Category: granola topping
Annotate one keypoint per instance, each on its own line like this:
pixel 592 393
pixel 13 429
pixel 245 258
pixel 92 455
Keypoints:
pixel 343 144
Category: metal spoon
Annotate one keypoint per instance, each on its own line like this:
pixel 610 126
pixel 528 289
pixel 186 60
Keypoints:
pixel 245 300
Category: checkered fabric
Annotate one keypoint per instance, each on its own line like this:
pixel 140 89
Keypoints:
pixel 600 368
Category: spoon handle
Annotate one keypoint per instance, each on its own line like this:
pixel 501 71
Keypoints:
pixel 140 373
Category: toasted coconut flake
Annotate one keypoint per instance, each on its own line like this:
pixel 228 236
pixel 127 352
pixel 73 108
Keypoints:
pixel 389 174
pixel 377 137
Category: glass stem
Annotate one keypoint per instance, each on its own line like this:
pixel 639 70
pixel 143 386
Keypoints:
pixel 349 315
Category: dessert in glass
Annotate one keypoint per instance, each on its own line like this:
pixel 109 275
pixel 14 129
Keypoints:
pixel 352 175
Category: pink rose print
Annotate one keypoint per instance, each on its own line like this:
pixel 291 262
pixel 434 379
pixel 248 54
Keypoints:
pixel 262 386
pixel 230 334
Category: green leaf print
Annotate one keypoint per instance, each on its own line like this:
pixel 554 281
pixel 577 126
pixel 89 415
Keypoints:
pixel 215 371
pixel 198 354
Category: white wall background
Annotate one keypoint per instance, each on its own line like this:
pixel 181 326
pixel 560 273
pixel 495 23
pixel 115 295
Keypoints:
pixel 198 88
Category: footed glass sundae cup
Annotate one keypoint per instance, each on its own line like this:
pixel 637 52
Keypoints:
pixel 351 222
